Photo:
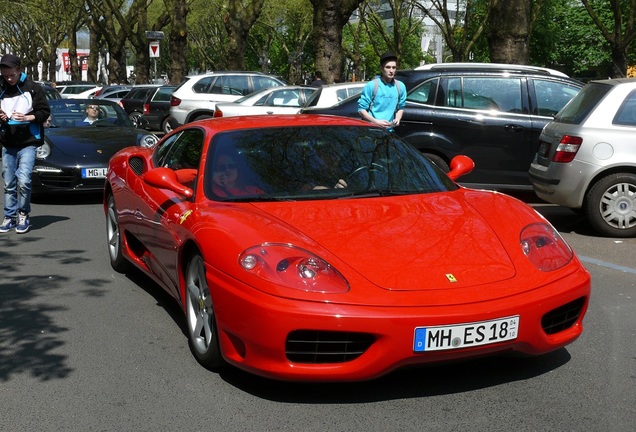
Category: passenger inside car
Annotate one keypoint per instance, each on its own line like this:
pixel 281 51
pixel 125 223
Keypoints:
pixel 229 180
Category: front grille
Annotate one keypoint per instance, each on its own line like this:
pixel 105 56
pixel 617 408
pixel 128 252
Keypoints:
pixel 137 165
pixel 310 346
pixel 562 317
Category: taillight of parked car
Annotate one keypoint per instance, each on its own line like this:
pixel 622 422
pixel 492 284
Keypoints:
pixel 218 112
pixel 146 109
pixel 174 101
pixel 567 148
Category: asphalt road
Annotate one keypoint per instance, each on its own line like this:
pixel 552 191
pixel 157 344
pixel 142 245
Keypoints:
pixel 83 348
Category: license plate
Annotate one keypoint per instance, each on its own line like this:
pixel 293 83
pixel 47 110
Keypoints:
pixel 94 172
pixel 465 335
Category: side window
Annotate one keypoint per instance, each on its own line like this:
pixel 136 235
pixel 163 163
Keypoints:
pixel 552 96
pixel 424 93
pixel 283 98
pixel 162 151
pixel 236 85
pixel 203 85
pixel 341 94
pixel 261 82
pixel 185 151
pixel 626 115
pixel 486 93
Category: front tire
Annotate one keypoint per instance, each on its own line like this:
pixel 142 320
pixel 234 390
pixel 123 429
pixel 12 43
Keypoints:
pixel 202 332
pixel 610 205
pixel 115 241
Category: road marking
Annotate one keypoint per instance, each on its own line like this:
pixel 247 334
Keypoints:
pixel 606 264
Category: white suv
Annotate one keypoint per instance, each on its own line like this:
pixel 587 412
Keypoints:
pixel 195 98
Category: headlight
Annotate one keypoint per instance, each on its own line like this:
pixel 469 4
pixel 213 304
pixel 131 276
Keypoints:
pixel 148 140
pixel 292 267
pixel 43 151
pixel 544 247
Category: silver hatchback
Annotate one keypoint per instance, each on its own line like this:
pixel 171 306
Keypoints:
pixel 587 157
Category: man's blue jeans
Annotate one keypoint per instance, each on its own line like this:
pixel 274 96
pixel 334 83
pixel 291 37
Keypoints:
pixel 17 166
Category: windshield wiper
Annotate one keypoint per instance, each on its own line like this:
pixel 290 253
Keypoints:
pixel 369 193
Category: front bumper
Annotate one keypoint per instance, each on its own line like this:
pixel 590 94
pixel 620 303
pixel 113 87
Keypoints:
pixel 53 179
pixel 255 328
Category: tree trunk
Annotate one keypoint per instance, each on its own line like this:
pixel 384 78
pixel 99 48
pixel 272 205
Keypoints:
pixel 238 22
pixel 330 17
pixel 509 35
pixel 179 42
pixel 619 62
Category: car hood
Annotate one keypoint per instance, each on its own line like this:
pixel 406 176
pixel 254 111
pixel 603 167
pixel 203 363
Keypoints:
pixel 90 141
pixel 412 243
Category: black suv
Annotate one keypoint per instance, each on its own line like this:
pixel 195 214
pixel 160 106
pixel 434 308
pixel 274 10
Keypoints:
pixel 133 102
pixel 492 113
pixel 156 110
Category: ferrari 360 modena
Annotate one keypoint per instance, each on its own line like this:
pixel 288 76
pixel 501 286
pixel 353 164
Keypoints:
pixel 308 247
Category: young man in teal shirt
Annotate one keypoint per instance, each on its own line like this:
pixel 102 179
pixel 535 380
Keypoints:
pixel 382 99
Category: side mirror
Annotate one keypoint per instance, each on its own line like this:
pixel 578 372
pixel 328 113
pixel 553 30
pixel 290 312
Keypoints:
pixel 460 166
pixel 165 178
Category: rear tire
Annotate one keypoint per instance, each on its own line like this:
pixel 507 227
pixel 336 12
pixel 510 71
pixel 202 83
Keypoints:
pixel 610 205
pixel 135 117
pixel 166 127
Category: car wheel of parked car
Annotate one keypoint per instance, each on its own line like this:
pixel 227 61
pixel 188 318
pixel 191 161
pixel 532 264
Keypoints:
pixel 166 127
pixel 201 117
pixel 610 205
pixel 117 260
pixel 135 117
pixel 203 337
pixel 437 160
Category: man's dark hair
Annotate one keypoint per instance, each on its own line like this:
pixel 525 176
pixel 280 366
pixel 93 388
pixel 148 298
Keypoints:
pixel 318 74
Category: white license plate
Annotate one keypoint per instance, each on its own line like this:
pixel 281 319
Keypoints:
pixel 465 335
pixel 94 172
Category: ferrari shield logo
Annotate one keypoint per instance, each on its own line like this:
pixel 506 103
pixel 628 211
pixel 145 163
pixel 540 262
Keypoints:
pixel 451 278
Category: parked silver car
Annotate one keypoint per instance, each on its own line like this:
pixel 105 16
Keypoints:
pixel 587 157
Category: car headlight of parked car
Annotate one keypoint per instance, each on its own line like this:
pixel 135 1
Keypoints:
pixel 43 151
pixel 293 267
pixel 544 247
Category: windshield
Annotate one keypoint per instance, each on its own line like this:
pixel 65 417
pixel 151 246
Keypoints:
pixel 73 113
pixel 321 162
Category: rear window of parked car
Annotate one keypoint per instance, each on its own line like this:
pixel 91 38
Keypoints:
pixel 583 103
pixel 626 115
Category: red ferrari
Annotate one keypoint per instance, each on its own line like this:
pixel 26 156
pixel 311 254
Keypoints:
pixel 324 248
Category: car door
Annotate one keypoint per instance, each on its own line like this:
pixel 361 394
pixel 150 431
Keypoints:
pixel 483 117
pixel 159 214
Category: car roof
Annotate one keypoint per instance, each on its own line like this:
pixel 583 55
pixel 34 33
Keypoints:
pixel 278 120
pixel 491 67
pixel 230 73
pixel 345 84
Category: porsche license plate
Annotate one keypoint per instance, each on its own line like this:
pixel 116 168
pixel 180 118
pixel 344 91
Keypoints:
pixel 465 335
pixel 94 172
